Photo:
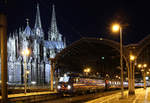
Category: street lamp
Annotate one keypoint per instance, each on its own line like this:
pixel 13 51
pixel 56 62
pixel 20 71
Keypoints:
pixel 25 53
pixel 147 73
pixel 118 28
pixel 115 27
pixel 87 70
pixel 132 57
pixel 131 76
pixel 142 66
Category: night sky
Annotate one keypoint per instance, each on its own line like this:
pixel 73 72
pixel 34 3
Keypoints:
pixel 85 18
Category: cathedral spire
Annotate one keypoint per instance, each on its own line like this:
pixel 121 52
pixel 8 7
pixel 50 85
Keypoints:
pixel 28 31
pixel 64 42
pixel 38 27
pixel 53 31
pixel 38 18
pixel 27 21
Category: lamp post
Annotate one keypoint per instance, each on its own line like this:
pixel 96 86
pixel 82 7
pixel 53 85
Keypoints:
pixel 3 52
pixel 142 67
pixel 25 53
pixel 116 28
pixel 52 62
pixel 131 80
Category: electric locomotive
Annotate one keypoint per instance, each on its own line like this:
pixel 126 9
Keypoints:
pixel 77 84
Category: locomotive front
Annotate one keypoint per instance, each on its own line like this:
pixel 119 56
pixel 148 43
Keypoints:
pixel 65 85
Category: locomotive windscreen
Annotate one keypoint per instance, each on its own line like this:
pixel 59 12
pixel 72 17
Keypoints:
pixel 64 79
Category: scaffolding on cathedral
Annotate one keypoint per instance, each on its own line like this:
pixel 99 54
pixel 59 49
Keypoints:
pixel 38 63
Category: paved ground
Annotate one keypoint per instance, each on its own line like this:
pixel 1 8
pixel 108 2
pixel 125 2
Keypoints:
pixel 141 96
pixel 28 94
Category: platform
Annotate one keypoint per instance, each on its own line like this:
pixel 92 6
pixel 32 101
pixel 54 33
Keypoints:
pixel 141 96
pixel 28 94
pixel 31 97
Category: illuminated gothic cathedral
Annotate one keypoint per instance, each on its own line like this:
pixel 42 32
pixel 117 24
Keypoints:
pixel 37 63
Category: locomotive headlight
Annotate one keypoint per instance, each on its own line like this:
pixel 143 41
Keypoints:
pixel 68 87
pixel 58 87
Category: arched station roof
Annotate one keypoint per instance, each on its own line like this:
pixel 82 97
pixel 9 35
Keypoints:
pixel 143 44
pixel 88 40
pixel 88 50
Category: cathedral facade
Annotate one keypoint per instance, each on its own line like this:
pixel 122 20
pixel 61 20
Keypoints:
pixel 41 49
